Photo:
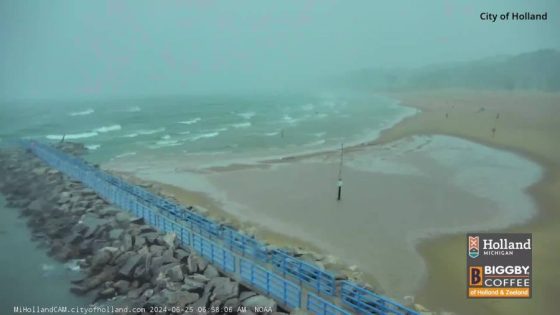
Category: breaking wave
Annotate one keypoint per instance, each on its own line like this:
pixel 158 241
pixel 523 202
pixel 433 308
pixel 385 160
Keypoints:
pixel 190 122
pixel 108 128
pixel 205 135
pixel 83 113
pixel 73 136
pixel 247 115
pixel 93 146
pixel 242 125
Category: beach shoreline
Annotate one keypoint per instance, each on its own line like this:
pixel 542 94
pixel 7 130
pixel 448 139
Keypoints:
pixel 399 131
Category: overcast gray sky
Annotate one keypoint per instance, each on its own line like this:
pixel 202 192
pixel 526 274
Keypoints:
pixel 67 49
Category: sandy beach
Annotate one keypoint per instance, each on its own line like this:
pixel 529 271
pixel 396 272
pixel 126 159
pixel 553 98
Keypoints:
pixel 409 196
pixel 529 124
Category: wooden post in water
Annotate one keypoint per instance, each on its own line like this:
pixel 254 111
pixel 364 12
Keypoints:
pixel 339 183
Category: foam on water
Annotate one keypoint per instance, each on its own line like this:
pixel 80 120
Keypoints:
pixel 242 125
pixel 93 146
pixel 247 115
pixel 72 136
pixel 190 122
pixel 134 109
pixel 83 113
pixel 108 128
pixel 205 135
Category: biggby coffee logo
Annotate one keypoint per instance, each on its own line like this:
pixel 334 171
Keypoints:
pixel 499 265
pixel 473 246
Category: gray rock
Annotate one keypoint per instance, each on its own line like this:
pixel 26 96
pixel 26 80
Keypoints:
pixel 109 210
pixel 92 223
pixel 122 286
pixel 211 272
pixel 139 242
pixel 173 298
pixel 192 266
pixel 156 249
pixel 126 242
pixel 150 237
pixel 259 302
pixel 181 253
pixel 225 290
pixel 122 218
pixel 100 259
pixel 233 303
pixel 141 273
pixel 175 273
pixel 193 286
pixel 106 293
pixel 201 264
pixel 132 262
pixel 198 277
pixel 158 261
pixel 115 234
pixel 246 294
pixel 202 301
pixel 169 239
pixel 37 205
pixel 148 293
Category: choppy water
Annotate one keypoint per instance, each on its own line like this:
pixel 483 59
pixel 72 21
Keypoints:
pixel 28 277
pixel 229 124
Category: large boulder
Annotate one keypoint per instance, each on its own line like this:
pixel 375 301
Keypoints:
pixel 211 272
pixel 100 259
pixel 175 273
pixel 260 303
pixel 225 290
pixel 132 262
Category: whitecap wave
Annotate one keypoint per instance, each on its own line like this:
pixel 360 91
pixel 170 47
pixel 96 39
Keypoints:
pixel 144 132
pixel 190 122
pixel 134 109
pixel 73 136
pixel 242 125
pixel 289 119
pixel 270 134
pixel 108 128
pixel 319 134
pixel 205 135
pixel 83 113
pixel 247 115
pixel 93 146
pixel 166 143
pixel 124 154
pixel 166 137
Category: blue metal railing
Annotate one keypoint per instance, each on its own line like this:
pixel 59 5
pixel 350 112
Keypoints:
pixel 317 278
pixel 244 245
pixel 320 306
pixel 218 243
pixel 271 284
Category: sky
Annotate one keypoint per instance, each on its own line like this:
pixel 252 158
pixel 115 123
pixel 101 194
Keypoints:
pixel 80 49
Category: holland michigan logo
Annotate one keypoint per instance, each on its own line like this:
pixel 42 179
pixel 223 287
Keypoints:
pixel 473 246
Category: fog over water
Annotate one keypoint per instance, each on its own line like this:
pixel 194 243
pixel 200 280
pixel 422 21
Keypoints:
pixel 103 49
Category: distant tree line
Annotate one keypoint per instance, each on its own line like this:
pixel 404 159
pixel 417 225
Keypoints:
pixel 539 70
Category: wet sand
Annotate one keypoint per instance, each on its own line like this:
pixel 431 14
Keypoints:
pixel 278 185
pixel 529 124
